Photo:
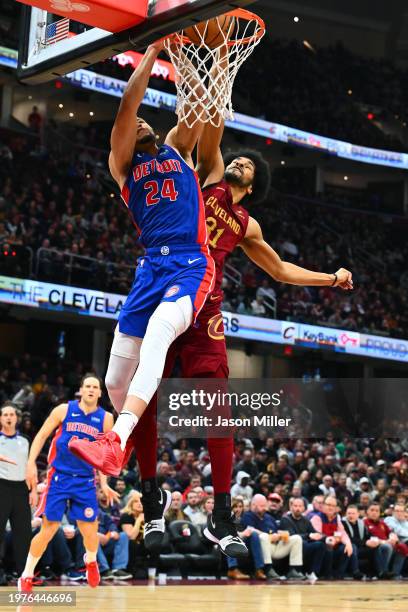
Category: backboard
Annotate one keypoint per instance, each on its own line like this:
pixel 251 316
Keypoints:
pixel 51 46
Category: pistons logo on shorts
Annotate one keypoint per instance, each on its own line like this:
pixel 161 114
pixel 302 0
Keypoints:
pixel 89 512
pixel 172 291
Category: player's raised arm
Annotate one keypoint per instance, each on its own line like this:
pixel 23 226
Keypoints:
pixel 50 424
pixel 125 128
pixel 184 136
pixel 210 164
pixel 264 256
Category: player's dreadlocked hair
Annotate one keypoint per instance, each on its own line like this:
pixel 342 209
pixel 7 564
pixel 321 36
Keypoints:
pixel 262 179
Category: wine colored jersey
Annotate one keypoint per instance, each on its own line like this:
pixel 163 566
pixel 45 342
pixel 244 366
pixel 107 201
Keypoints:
pixel 226 224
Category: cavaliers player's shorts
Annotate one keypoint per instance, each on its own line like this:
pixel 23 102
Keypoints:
pixel 68 493
pixel 202 349
pixel 166 274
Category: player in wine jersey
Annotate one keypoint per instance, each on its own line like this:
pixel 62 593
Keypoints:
pixel 70 481
pixel 241 177
pixel 161 190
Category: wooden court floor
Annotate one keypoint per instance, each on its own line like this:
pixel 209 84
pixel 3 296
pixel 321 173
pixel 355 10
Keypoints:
pixel 324 597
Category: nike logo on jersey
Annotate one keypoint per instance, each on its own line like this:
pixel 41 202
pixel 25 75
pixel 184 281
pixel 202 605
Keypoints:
pixel 75 414
pixel 215 297
pixel 191 261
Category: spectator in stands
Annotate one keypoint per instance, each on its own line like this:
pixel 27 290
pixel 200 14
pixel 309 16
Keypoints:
pixel 369 549
pixel 166 475
pixel 379 529
pixel 339 547
pixel 247 464
pixel 115 544
pixel 327 486
pixel 35 120
pixel 364 486
pixel 241 486
pixel 313 544
pixel 132 524
pixel 275 506
pixel 112 509
pixel 122 490
pixel 258 307
pixel 317 506
pixel 192 510
pixel 398 522
pixel 275 544
pixel 175 512
pixel 252 540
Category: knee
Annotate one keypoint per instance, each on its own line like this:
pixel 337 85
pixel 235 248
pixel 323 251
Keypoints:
pixel 114 380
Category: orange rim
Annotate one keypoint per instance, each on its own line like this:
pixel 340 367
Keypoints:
pixel 240 14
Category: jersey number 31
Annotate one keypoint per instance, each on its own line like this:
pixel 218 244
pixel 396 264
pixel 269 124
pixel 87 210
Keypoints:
pixel 168 191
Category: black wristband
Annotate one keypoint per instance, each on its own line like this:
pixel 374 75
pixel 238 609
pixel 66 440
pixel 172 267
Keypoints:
pixel 335 279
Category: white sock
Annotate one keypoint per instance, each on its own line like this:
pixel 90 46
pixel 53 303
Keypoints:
pixel 124 426
pixel 90 556
pixel 30 566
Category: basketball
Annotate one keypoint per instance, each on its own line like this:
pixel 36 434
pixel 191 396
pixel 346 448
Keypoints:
pixel 213 32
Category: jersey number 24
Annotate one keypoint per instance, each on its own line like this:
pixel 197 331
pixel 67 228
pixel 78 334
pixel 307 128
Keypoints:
pixel 168 191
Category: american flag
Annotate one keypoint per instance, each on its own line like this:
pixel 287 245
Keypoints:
pixel 57 31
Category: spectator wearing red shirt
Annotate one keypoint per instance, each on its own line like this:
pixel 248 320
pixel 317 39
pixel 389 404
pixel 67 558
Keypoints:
pixel 377 528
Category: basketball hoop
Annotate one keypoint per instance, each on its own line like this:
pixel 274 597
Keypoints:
pixel 205 74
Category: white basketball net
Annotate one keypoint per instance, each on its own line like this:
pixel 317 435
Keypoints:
pixel 205 76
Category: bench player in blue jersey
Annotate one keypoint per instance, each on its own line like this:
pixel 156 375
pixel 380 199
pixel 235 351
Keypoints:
pixel 70 481
pixel 160 188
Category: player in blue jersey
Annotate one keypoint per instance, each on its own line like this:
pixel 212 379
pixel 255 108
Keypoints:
pixel 160 188
pixel 70 481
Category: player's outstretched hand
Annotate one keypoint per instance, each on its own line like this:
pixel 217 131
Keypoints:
pixel 344 279
pixel 158 45
pixel 7 460
pixel 111 495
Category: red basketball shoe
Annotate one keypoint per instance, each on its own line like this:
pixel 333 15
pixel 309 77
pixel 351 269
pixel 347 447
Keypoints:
pixel 92 573
pixel 25 585
pixel 104 453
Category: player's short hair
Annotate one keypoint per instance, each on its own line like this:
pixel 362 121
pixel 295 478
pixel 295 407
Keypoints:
pixel 262 179
pixel 90 375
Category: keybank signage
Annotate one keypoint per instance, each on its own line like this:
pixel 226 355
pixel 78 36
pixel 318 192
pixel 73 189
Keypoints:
pixel 93 303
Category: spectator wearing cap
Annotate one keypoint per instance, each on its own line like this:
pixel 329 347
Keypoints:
pixel 317 506
pixel 380 471
pixel 275 544
pixel 261 459
pixel 402 468
pixel 326 487
pixel 314 547
pixel 275 506
pixel 364 486
pixel 353 480
pixel 339 547
pixel 379 529
pixel 241 486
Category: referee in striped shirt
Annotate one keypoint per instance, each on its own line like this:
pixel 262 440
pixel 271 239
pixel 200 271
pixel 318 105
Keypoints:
pixel 14 495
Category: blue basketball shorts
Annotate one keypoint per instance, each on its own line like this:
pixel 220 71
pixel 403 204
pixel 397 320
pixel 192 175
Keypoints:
pixel 166 274
pixel 68 493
